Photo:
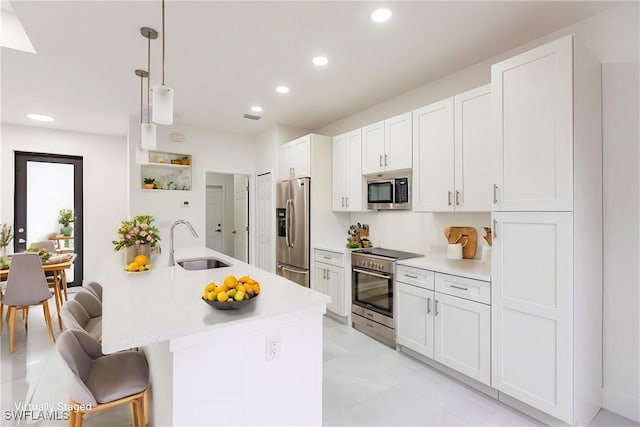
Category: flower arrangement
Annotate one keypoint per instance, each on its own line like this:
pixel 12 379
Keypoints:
pixel 138 231
pixel 6 235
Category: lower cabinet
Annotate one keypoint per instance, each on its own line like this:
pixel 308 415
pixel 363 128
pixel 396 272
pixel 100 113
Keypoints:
pixel 454 331
pixel 329 278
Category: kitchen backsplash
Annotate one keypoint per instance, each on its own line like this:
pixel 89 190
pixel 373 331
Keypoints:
pixel 417 231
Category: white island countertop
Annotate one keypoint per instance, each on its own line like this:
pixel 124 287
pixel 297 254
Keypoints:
pixel 165 302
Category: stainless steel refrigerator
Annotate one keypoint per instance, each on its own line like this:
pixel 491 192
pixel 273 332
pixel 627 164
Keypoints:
pixel 292 216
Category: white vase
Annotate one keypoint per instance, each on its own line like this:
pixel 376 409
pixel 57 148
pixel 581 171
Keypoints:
pixel 132 252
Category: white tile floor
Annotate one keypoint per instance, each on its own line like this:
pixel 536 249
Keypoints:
pixel 365 384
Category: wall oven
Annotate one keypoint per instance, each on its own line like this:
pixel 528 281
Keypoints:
pixel 372 275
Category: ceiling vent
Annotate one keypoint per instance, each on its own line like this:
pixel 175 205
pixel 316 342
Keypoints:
pixel 251 117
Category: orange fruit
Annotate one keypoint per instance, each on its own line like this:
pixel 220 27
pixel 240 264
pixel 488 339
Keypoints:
pixel 222 296
pixel 211 296
pixel 141 260
pixel 244 279
pixel 240 288
pixel 210 287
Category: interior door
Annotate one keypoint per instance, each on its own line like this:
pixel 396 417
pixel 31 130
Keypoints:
pixel 240 217
pixel 263 223
pixel 45 184
pixel 215 218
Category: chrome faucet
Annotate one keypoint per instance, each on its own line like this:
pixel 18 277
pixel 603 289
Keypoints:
pixel 172 261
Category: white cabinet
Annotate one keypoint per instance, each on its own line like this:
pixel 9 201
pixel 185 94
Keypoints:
pixel 451 149
pixel 455 331
pixel 532 281
pixel 347 185
pixel 329 278
pixel 533 129
pixel 387 145
pixel 295 158
pixel 547 238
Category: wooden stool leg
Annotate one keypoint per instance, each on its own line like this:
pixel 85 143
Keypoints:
pixel 64 284
pixel 72 419
pixel 79 416
pixel 12 328
pixel 140 412
pixel 25 316
pixel 58 297
pixel 47 319
pixel 1 317
pixel 132 413
pixel 145 405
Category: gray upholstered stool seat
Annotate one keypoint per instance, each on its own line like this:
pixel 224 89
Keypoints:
pixel 101 381
pixel 95 288
pixel 83 312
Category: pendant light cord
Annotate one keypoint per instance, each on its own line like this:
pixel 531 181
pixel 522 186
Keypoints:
pixel 163 42
pixel 148 80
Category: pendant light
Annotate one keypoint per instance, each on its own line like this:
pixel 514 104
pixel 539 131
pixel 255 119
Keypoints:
pixel 147 129
pixel 162 94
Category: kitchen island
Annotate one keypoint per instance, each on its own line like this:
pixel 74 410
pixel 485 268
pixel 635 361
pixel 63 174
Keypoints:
pixel 208 366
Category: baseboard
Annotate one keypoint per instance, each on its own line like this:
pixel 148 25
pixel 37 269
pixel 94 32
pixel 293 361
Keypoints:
pixel 341 319
pixel 622 404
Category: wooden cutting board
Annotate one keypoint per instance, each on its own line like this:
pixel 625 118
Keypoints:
pixel 467 236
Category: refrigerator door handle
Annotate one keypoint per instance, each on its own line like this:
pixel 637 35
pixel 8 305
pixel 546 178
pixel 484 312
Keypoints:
pixel 292 240
pixel 287 223
pixel 280 266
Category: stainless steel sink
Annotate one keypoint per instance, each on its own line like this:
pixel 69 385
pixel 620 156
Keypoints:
pixel 205 263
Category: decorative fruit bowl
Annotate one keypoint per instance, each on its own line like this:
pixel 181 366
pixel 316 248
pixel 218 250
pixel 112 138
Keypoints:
pixel 229 305
pixel 232 294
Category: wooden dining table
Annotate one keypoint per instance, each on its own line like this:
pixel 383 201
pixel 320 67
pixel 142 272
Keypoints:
pixel 58 269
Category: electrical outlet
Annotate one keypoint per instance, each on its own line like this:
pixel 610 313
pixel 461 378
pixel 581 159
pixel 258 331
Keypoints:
pixel 272 348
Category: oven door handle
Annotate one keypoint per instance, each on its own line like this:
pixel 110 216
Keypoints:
pixel 383 276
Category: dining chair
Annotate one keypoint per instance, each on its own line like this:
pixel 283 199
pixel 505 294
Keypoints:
pixel 26 286
pixel 83 312
pixel 103 381
pixel 95 288
pixel 51 248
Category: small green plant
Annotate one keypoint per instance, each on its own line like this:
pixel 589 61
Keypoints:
pixel 65 216
pixel 149 180
pixel 6 235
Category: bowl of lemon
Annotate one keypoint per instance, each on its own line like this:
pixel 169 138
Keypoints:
pixel 139 264
pixel 232 294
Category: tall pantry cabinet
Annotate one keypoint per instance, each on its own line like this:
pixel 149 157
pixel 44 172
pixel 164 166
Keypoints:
pixel 547 231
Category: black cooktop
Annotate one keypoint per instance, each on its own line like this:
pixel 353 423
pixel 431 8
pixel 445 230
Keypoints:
pixel 387 253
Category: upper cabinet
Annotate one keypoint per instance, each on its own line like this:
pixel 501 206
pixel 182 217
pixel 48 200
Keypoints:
pixel 347 172
pixel 386 145
pixel 295 158
pixel 533 130
pixel 451 154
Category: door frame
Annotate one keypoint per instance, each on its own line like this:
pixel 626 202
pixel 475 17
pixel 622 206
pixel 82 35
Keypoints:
pixel 20 201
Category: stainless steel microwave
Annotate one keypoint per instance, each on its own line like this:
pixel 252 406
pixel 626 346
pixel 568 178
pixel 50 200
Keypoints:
pixel 389 192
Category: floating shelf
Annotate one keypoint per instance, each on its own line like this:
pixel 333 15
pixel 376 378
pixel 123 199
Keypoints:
pixel 168 176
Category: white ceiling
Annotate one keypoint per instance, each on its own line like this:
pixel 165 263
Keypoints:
pixel 223 57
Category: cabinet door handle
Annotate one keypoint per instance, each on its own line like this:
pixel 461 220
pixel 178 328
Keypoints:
pixel 428 305
pixel 495 228
pixel 326 257
pixel 459 287
pixel 437 307
pixel 386 159
pixel 495 193
pixel 346 204
pixel 380 160
pixel 369 315
pixel 457 197
pixel 411 276
pixel 324 273
pixel 342 198
pixel 449 198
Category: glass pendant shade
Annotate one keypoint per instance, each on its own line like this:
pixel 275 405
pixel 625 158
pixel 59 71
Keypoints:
pixel 162 111
pixel 148 136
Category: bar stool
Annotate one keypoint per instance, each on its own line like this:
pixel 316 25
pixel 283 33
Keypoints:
pixel 95 288
pixel 102 381
pixel 83 312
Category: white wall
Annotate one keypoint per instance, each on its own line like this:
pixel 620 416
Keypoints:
pixel 105 172
pixel 613 36
pixel 211 151
pixel 621 239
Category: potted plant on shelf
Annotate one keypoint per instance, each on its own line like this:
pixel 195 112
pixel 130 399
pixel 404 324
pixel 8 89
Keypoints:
pixel 137 237
pixel 149 183
pixel 65 218
pixel 6 236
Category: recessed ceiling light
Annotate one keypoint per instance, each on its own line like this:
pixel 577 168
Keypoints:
pixel 381 15
pixel 320 61
pixel 282 89
pixel 256 109
pixel 40 117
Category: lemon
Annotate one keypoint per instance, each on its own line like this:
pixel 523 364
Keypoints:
pixel 231 293
pixel 230 281
pixel 239 296
pixel 141 268
pixel 132 267
pixel 141 260
pixel 222 296
pixel 210 287
pixel 244 279
pixel 211 296
pixel 240 288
